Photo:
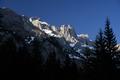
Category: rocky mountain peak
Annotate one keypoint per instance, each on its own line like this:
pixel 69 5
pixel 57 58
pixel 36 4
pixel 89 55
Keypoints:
pixel 68 32
pixel 38 23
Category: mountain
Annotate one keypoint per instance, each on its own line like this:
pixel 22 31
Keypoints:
pixel 61 40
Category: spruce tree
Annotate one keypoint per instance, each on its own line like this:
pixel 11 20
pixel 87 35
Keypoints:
pixel 100 44
pixel 110 47
pixel 100 49
pixel 100 53
pixel 110 40
pixel 105 48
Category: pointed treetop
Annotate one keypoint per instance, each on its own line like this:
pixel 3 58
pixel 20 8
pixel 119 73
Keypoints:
pixel 101 32
pixel 100 35
pixel 107 22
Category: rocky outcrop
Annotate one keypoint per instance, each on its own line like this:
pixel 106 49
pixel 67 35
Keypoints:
pixel 68 33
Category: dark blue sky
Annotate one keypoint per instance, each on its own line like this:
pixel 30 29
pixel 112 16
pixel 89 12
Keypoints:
pixel 86 16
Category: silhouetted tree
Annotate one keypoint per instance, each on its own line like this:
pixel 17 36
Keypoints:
pixel 111 49
pixel 105 48
pixel 110 40
pixel 100 53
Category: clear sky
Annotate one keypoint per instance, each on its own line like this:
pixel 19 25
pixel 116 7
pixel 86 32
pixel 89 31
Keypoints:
pixel 86 16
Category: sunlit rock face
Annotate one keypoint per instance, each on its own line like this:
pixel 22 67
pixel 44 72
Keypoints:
pixel 38 23
pixel 68 33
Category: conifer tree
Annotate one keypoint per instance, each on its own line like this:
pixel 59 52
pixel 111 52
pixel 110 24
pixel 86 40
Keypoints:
pixel 110 40
pixel 110 47
pixel 105 48
pixel 100 53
